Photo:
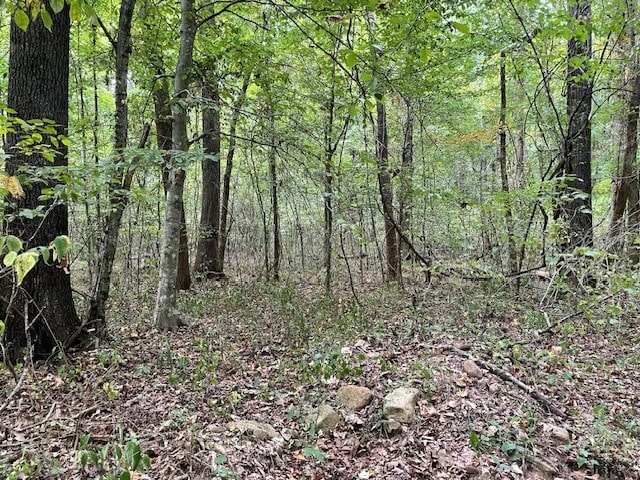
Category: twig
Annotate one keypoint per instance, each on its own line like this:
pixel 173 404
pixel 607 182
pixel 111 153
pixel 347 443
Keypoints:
pixel 506 376
pixel 15 390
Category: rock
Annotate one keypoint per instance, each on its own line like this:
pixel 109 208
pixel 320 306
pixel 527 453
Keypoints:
pixel 400 405
pixel 354 397
pixel 392 426
pixel 471 369
pixel 325 418
pixel 261 431
pixel 559 434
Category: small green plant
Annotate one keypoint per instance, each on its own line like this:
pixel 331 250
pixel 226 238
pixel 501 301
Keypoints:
pixel 113 461
pixel 222 470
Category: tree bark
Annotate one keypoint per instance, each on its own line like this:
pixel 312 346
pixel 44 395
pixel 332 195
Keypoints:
pixel 406 191
pixel 386 193
pixel 577 149
pixel 625 192
pixel 502 160
pixel 226 183
pixel 166 316
pixel 119 187
pixel 164 127
pixel 275 210
pixel 207 257
pixel 38 89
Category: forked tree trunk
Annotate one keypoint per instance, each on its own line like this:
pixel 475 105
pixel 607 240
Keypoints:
pixel 38 89
pixel 386 194
pixel 166 316
pixel 207 256
pixel 164 127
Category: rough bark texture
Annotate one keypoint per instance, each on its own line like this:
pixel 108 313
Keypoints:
pixel 38 88
pixel 164 127
pixel 207 256
pixel 119 186
pixel 625 192
pixel 386 194
pixel 166 316
pixel 577 149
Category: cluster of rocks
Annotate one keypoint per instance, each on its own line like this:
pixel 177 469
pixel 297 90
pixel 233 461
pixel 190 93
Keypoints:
pixel 399 407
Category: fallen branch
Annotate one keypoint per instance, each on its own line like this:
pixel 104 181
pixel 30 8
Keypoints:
pixel 506 376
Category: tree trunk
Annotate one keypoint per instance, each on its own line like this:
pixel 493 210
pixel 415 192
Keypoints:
pixel 166 316
pixel 226 183
pixel 119 187
pixel 625 192
pixel 406 190
pixel 577 149
pixel 275 211
pixel 386 193
pixel 207 257
pixel 164 127
pixel 38 88
pixel 502 160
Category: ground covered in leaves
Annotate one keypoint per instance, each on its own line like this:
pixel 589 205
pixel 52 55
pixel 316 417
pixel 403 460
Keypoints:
pixel 158 405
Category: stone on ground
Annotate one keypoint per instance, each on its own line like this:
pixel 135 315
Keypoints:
pixel 325 418
pixel 354 397
pixel 471 369
pixel 400 404
pixel 261 431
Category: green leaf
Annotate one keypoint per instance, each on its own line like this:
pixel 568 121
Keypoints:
pixel 315 452
pixel 24 263
pixel 46 18
pixel 461 27
pixel 350 59
pixel 125 475
pixel 75 13
pixel 9 258
pixel 2 240
pixel 14 244
pixel 56 5
pixel 21 19
pixel 1 327
pixel 61 247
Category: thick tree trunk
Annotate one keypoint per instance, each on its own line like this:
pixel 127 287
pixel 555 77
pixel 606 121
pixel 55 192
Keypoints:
pixel 164 127
pixel 207 256
pixel 577 149
pixel 166 316
pixel 121 183
pixel 226 182
pixel 386 194
pixel 38 88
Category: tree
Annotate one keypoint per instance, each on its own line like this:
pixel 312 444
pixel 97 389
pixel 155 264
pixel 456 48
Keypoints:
pixel 43 311
pixel 165 315
pixel 577 146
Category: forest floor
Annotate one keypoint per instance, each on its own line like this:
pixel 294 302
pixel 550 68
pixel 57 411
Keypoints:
pixel 274 352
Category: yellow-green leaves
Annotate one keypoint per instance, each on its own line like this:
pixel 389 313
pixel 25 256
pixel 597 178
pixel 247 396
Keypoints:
pixel 22 19
pixel 61 247
pixel 56 5
pixel 24 263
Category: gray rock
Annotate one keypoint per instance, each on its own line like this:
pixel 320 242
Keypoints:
pixel 261 431
pixel 471 369
pixel 559 434
pixel 400 404
pixel 354 397
pixel 325 418
pixel 392 427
